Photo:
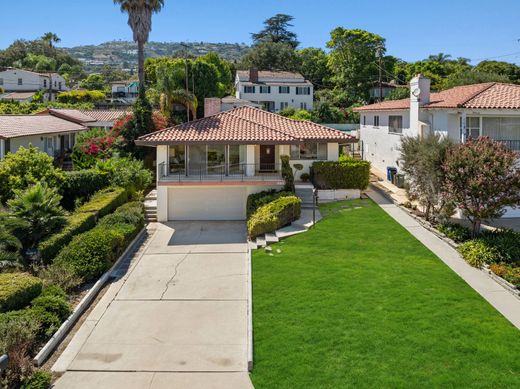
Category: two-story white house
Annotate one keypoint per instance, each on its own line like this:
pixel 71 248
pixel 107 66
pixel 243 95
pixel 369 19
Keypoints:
pixel 274 90
pixel 17 83
pixel 489 109
pixel 125 92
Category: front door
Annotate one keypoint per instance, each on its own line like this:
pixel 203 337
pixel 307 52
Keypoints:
pixel 267 158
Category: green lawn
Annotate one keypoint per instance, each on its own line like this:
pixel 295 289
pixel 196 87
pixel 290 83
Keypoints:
pixel 358 302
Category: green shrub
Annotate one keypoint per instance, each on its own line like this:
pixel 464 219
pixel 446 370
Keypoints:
pixel 305 177
pixel 287 173
pixel 48 322
pixel 60 275
pixel 455 231
pixel 256 200
pixel 81 184
pixel 90 254
pixel 127 173
pixel 123 217
pixel 132 206
pixel 55 304
pixel 17 290
pixel 274 215
pixel 39 379
pixel 348 174
pixel 105 202
pixel 506 242
pixel 53 291
pixel 477 252
pixel 77 223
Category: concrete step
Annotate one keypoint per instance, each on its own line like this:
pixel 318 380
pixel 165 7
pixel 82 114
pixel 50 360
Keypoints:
pixel 260 241
pixel 271 238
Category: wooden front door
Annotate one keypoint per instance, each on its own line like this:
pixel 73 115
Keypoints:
pixel 267 158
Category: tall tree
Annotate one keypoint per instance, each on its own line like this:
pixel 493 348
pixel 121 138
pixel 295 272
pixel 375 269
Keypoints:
pixel 140 21
pixel 353 60
pixel 507 69
pixel 271 56
pixel 276 30
pixel 313 66
pixel 49 38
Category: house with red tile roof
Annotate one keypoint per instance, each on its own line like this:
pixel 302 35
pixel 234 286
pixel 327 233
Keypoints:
pixel 89 118
pixel 206 168
pixel 488 109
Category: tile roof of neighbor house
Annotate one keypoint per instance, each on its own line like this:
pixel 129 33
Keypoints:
pixel 86 116
pixel 490 95
pixel 245 125
pixel 243 75
pixel 72 115
pixel 17 95
pixel 13 126
pixel 105 115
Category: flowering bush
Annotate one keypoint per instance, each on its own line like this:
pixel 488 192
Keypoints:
pixel 93 145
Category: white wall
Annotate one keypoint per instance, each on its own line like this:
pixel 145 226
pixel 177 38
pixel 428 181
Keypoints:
pixel 31 81
pixel 291 98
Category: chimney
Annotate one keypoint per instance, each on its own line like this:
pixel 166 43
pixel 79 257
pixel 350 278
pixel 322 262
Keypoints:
pixel 212 106
pixel 419 97
pixel 253 75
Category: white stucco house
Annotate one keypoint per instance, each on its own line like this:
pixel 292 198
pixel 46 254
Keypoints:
pixel 25 81
pixel 488 109
pixel 50 134
pixel 206 168
pixel 125 91
pixel 274 90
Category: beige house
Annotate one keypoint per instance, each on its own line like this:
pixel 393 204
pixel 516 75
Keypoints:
pixel 206 168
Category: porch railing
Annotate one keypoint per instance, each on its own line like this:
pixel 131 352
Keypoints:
pixel 219 173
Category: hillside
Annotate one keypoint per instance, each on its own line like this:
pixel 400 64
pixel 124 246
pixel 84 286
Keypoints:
pixel 123 54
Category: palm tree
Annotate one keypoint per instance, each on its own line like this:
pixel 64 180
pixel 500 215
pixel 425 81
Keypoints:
pixel 10 245
pixel 178 96
pixel 140 21
pixel 441 57
pixel 49 38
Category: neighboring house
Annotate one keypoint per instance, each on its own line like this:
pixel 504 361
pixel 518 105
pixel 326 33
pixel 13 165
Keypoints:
pixel 88 118
pixel 206 168
pixel 214 105
pixel 20 97
pixel 19 80
pixel 50 134
pixel 274 90
pixel 385 89
pixel 125 92
pixel 489 109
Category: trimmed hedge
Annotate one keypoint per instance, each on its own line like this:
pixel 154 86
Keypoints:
pixel 274 215
pixel 84 219
pixel 17 290
pixel 81 184
pixel 349 174
pixel 256 200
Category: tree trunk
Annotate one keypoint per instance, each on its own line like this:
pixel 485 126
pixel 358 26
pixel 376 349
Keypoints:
pixel 140 62
pixel 476 227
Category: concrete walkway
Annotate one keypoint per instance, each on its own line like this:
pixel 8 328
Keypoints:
pixel 504 302
pixel 176 317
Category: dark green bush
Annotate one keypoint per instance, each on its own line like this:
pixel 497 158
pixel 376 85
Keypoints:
pixel 60 275
pixel 81 184
pixel 123 217
pixel 39 379
pixel 506 242
pixel 55 304
pixel 274 215
pixel 477 252
pixel 348 174
pixel 48 322
pixel 455 231
pixel 90 254
pixel 287 173
pixel 105 201
pixel 17 290
pixel 53 291
pixel 256 200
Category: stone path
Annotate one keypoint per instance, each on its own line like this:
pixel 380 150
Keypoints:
pixel 175 317
pixel 503 301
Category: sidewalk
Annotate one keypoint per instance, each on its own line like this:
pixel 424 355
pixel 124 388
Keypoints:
pixel 503 301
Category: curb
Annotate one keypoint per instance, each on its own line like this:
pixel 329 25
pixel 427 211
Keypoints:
pixel 250 313
pixel 58 336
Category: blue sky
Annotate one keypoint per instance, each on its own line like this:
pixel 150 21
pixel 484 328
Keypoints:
pixel 475 29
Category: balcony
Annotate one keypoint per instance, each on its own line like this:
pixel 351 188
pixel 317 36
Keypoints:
pixel 251 174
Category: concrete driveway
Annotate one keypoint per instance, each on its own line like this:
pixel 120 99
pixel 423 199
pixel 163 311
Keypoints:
pixel 175 317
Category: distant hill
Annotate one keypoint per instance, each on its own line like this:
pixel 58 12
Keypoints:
pixel 123 54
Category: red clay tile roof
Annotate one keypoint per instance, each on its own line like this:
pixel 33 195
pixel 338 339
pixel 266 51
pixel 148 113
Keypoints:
pixel 13 126
pixel 72 115
pixel 490 95
pixel 105 115
pixel 245 125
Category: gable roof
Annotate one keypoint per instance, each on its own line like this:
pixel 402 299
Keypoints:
pixel 13 126
pixel 490 95
pixel 245 125
pixel 85 116
pixel 243 75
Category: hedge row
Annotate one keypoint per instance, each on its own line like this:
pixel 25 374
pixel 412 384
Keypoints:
pixel 82 220
pixel 17 290
pixel 350 174
pixel 256 200
pixel 91 253
pixel 81 184
pixel 274 215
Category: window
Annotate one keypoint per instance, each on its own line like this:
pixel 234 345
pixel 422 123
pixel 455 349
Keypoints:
pixel 284 105
pixel 503 129
pixel 395 124
pixel 55 84
pixel 376 121
pixel 309 151
pixel 364 120
pixel 1 81
pixel 265 89
pixel 20 81
pixel 303 90
pixel 45 83
pixel 177 157
pixel 472 126
pixel 303 105
pixel 236 158
pixel 284 89
pixel 249 89
pixel 216 159
pixel 59 85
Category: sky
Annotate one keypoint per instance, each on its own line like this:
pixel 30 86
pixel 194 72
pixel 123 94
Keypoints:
pixel 478 29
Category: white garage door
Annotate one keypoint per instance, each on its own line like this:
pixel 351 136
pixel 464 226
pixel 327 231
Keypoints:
pixel 207 203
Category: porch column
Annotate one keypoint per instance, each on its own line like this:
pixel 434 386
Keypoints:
pixel 2 149
pixel 463 128
pixel 332 151
pixel 162 157
pixel 250 160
